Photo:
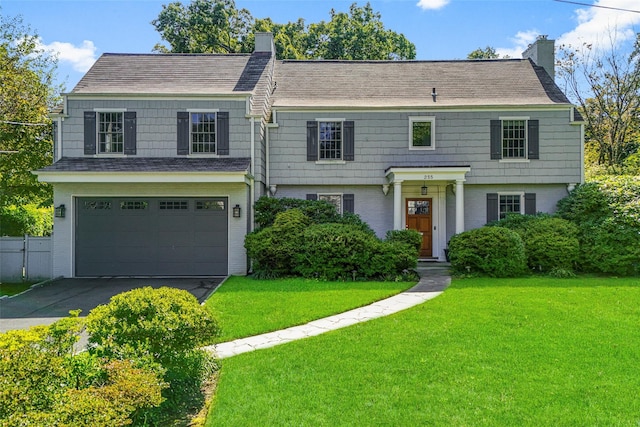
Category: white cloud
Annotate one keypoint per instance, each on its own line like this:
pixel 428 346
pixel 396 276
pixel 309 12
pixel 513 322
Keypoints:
pixel 601 27
pixel 520 43
pixel 81 58
pixel 432 4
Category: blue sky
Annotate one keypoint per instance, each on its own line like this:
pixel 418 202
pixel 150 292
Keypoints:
pixel 80 31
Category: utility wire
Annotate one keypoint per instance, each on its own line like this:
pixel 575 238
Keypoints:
pixel 597 5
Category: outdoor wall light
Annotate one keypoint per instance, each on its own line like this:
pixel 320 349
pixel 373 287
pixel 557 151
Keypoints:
pixel 423 190
pixel 59 211
pixel 236 211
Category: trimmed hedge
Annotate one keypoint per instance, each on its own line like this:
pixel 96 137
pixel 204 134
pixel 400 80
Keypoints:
pixel 493 251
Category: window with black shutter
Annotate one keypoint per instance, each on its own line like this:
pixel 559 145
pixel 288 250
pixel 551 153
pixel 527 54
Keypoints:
pixel 514 139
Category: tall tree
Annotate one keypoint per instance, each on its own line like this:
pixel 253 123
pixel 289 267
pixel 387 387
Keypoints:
pixel 204 26
pixel 606 87
pixel 486 53
pixel 218 26
pixel 27 93
pixel 359 34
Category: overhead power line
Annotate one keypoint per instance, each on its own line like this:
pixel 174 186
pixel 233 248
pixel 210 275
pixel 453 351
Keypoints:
pixel 597 5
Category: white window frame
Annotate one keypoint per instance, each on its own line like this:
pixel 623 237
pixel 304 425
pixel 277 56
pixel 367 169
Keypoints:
pixel 524 159
pixel 99 112
pixel 422 119
pixel 331 120
pixel 511 193
pixel 320 195
pixel 216 130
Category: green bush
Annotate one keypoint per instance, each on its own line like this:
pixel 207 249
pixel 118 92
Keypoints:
pixel 162 330
pixel 164 323
pixel 42 383
pixel 272 249
pixel 607 213
pixel 318 211
pixel 493 251
pixel 408 237
pixel 612 248
pixel 26 219
pixel 549 242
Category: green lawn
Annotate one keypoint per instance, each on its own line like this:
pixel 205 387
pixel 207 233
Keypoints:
pixel 13 288
pixel 488 352
pixel 246 307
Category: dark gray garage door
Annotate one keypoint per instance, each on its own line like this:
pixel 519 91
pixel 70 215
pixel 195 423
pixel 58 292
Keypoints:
pixel 151 236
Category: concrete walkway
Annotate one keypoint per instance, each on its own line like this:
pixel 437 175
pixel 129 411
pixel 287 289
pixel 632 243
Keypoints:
pixel 433 280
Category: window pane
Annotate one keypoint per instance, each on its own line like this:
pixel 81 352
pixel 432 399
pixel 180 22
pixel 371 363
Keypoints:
pixel 334 199
pixel 330 140
pixel 110 133
pixel 509 203
pixel 203 132
pixel 514 139
pixel 421 134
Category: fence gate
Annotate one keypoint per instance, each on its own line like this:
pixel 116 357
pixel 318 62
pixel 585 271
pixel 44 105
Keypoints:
pixel 25 258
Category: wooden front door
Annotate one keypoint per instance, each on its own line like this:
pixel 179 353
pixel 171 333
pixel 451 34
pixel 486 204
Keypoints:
pixel 419 218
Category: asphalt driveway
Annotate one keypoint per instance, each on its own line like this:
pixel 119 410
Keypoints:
pixel 44 304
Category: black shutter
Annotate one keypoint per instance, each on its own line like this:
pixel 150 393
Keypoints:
pixel 348 203
pixel 530 203
pixel 496 139
pixel 492 207
pixel 348 139
pixel 130 132
pixel 312 197
pixel 533 139
pixel 183 133
pixel 223 133
pixel 90 132
pixel 312 141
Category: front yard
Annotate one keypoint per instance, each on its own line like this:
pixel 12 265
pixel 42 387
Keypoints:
pixel 533 351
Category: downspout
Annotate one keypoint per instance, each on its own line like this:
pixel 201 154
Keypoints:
pixel 253 172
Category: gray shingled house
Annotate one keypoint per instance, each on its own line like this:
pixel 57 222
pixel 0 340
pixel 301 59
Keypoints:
pixel 159 158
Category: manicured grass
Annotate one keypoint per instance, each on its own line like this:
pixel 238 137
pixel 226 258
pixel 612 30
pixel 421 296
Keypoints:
pixel 488 352
pixel 13 288
pixel 246 307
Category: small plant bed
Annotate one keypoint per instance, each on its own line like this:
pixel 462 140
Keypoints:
pixel 244 306
pixel 14 288
pixel 527 352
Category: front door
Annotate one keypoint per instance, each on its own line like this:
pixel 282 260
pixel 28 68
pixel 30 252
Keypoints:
pixel 419 218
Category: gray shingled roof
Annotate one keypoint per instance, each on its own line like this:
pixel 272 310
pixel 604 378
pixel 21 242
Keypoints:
pixel 149 164
pixel 174 74
pixel 410 83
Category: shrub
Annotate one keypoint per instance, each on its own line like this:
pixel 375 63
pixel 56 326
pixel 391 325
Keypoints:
pixel 494 251
pixel 164 323
pixel 26 219
pixel 612 248
pixel 549 242
pixel 408 237
pixel 318 211
pixel 272 249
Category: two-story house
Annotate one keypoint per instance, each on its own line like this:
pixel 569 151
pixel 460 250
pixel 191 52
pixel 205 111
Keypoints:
pixel 159 158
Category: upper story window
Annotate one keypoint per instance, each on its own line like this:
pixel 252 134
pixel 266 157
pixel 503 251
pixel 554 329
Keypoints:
pixel 203 133
pixel 422 133
pixel 330 140
pixel 110 132
pixel 514 139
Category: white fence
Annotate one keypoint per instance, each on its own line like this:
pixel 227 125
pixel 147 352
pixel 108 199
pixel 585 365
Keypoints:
pixel 25 258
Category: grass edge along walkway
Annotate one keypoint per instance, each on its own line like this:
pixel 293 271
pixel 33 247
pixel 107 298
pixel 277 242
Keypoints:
pixel 429 286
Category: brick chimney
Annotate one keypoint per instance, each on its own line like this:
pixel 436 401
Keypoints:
pixel 542 52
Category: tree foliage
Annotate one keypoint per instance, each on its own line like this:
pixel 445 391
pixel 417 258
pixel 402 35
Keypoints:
pixel 219 26
pixel 486 53
pixel 606 87
pixel 27 93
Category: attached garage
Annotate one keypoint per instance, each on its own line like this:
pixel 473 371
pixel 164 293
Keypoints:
pixel 151 236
